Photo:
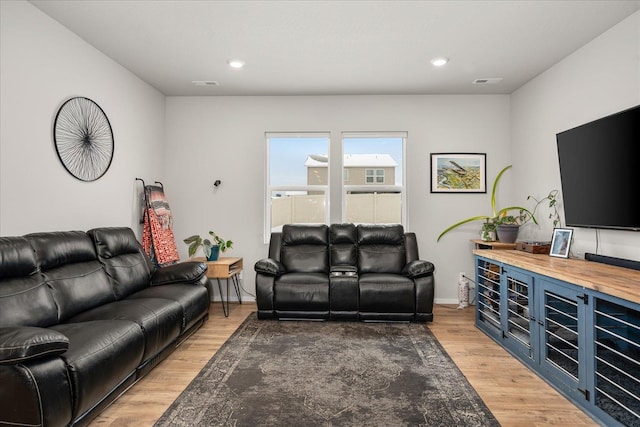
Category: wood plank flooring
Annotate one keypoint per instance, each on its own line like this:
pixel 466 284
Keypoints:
pixel 515 395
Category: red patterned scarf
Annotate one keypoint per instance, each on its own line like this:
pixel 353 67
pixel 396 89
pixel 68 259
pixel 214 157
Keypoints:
pixel 157 237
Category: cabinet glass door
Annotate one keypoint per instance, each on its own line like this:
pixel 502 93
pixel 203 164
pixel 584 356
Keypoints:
pixel 617 361
pixel 488 296
pixel 562 319
pixel 561 340
pixel 518 306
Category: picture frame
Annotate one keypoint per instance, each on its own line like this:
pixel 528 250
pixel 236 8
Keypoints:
pixel 458 172
pixel 561 242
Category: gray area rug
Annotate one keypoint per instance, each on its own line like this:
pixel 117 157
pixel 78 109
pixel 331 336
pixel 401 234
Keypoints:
pixel 299 373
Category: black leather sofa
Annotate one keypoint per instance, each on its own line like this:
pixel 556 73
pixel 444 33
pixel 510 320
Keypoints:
pixel 83 316
pixel 344 271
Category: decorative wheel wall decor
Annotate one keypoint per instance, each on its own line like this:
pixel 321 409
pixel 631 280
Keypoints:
pixel 83 138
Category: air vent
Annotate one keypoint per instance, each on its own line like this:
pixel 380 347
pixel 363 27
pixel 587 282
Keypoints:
pixel 205 83
pixel 487 81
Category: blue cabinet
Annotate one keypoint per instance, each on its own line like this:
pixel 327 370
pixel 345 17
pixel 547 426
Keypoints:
pixel 562 320
pixel 584 342
pixel 616 333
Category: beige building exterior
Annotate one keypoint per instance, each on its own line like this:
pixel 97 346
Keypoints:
pixel 359 169
pixel 360 206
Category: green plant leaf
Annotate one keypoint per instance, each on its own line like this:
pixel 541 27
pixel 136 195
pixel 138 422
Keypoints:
pixel 464 221
pixel 192 250
pixel 495 188
pixel 191 239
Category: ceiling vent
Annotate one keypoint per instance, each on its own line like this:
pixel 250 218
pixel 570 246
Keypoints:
pixel 487 81
pixel 205 83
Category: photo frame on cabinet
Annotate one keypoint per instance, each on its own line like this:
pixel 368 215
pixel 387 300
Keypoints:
pixel 561 242
pixel 458 172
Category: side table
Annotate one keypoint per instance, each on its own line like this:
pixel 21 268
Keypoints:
pixel 227 268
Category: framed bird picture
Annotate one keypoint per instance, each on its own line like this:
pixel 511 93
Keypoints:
pixel 458 172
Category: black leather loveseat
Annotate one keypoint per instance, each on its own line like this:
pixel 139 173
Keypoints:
pixel 83 316
pixel 344 271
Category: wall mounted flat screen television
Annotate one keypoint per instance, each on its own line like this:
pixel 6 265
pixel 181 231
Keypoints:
pixel 600 172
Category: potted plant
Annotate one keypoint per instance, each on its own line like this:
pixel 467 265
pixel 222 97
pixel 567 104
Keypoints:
pixel 508 226
pixel 498 217
pixel 211 250
pixel 488 231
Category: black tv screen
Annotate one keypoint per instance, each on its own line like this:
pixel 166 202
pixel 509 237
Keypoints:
pixel 600 172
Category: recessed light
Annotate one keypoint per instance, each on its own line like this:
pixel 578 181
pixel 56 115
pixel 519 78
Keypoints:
pixel 235 63
pixel 439 61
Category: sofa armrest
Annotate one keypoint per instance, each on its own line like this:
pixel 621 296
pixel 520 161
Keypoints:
pixel 270 267
pixel 183 272
pixel 418 268
pixel 22 343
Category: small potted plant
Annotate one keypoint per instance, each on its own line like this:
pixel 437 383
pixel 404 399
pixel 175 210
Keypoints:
pixel 488 231
pixel 211 250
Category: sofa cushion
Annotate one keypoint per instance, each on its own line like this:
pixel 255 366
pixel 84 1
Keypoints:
pixel 101 355
pixel 343 244
pixel 381 249
pixel 160 320
pixel 194 300
pixel 55 249
pixel 305 248
pixel 70 266
pixel 25 299
pixel 17 258
pixel 123 258
pixel 386 293
pixel 20 344
pixel 302 292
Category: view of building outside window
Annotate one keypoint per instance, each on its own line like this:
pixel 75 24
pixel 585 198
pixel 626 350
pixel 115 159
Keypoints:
pixel 298 178
pixel 374 192
pixel 291 199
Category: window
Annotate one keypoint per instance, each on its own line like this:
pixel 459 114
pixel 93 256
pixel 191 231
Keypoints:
pixel 374 176
pixel 374 192
pixel 297 180
pixel 299 176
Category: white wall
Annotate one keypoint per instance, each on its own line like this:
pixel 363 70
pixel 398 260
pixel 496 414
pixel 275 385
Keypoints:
pixel 42 64
pixel 601 78
pixel 211 138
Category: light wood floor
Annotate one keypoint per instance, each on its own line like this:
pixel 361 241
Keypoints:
pixel 515 395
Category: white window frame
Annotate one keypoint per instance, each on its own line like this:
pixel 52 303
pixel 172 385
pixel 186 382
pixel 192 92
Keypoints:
pixel 402 189
pixel 269 189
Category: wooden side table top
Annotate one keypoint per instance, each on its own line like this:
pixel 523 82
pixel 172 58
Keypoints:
pixel 223 267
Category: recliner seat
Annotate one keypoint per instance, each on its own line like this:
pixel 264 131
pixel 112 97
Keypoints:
pixel 344 271
pixel 83 316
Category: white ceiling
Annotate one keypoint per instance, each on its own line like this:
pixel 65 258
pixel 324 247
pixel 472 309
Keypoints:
pixel 309 47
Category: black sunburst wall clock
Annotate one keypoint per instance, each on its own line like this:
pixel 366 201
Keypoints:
pixel 83 138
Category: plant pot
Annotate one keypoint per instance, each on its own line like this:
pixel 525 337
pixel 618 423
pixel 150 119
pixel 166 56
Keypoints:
pixel 508 233
pixel 487 236
pixel 215 252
